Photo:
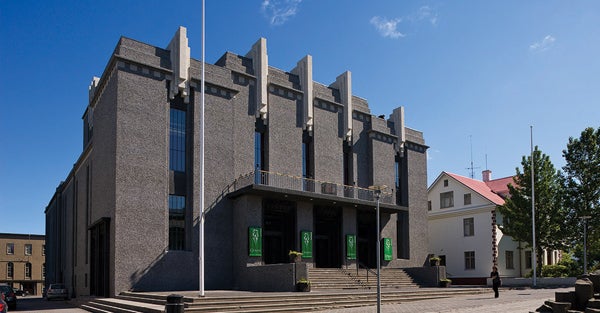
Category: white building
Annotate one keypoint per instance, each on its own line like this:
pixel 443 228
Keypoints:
pixel 465 229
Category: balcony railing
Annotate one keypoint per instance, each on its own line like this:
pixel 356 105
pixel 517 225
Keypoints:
pixel 297 183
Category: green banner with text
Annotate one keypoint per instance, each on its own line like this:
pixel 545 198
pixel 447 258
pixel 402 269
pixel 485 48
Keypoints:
pixel 307 244
pixel 387 249
pixel 351 247
pixel 255 241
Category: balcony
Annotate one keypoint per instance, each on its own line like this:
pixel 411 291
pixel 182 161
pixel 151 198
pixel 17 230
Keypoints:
pixel 309 188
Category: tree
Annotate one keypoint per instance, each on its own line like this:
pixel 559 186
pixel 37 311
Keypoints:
pixel 581 186
pixel 549 214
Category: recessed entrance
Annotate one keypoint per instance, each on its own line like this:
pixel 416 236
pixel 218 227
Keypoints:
pixel 367 238
pixel 100 256
pixel 328 237
pixel 279 223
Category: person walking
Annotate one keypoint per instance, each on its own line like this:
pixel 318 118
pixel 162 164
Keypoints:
pixel 496 282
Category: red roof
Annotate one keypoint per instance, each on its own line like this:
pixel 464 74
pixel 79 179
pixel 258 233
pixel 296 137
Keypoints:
pixel 482 188
pixel 500 185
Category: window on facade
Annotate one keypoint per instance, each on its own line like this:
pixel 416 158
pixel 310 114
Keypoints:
pixel 446 199
pixel 177 140
pixel 469 226
pixel 10 270
pixel 28 270
pixel 445 183
pixel 28 249
pixel 307 155
pixel 429 205
pixel 43 249
pixel 176 222
pixel 260 145
pixel 10 248
pixel 527 259
pixel 469 260
pixel 44 271
pixel 467 199
pixel 258 150
pixel 510 262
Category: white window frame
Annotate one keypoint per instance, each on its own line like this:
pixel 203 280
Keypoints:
pixel 469 227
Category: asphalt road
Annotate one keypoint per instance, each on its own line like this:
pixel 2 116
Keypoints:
pixel 38 304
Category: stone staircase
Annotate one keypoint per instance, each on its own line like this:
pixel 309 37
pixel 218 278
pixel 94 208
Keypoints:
pixel 247 302
pixel 330 289
pixel 340 279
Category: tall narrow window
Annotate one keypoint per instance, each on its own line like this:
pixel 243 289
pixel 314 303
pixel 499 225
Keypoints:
pixel 10 248
pixel 177 140
pixel 28 249
pixel 307 162
pixel 28 270
pixel 470 260
pixel 469 226
pixel 44 271
pixel 528 259
pixel 258 150
pixel 10 270
pixel 510 260
pixel 176 222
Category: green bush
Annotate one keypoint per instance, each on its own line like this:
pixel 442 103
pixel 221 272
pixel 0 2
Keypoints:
pixel 556 270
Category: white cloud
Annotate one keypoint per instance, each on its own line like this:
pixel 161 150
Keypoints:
pixel 542 45
pixel 428 14
pixel 387 28
pixel 279 11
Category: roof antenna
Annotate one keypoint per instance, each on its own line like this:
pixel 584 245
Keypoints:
pixel 471 167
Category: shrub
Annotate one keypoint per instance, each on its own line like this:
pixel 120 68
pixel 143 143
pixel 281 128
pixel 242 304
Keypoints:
pixel 556 270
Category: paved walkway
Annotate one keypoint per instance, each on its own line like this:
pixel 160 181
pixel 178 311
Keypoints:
pixel 511 301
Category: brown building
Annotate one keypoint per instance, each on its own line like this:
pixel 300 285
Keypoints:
pixel 22 261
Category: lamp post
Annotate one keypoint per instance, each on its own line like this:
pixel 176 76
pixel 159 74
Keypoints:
pixel 585 219
pixel 377 191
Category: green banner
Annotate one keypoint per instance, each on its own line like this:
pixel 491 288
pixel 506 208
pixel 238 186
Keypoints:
pixel 387 249
pixel 307 244
pixel 351 247
pixel 255 241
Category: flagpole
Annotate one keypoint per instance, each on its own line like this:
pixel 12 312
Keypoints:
pixel 533 254
pixel 201 226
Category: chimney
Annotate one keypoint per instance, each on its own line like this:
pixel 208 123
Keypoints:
pixel 487 175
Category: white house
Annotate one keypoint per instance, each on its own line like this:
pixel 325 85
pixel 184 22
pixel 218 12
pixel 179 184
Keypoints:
pixel 465 229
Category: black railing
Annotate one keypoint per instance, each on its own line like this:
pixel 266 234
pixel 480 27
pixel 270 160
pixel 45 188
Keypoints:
pixel 297 183
pixel 359 265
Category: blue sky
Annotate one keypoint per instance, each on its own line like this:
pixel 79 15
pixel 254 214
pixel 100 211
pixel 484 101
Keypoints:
pixel 477 72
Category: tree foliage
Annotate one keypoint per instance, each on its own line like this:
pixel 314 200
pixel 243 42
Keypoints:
pixel 581 186
pixel 549 214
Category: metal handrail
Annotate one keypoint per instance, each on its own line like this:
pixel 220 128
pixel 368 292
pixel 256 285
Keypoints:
pixel 359 265
pixel 298 183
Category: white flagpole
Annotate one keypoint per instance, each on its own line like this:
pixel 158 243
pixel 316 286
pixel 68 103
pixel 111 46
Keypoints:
pixel 533 253
pixel 201 226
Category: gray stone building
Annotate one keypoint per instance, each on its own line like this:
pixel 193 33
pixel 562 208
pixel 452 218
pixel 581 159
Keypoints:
pixel 288 162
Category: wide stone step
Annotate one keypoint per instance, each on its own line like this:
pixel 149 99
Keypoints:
pixel 283 302
pixel 102 305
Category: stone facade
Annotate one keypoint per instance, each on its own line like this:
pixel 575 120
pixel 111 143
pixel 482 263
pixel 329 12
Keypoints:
pixel 23 261
pixel 312 176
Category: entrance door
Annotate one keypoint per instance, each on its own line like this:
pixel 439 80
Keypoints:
pixel 367 238
pixel 100 253
pixel 328 237
pixel 279 223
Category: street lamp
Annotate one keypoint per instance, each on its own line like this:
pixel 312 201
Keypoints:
pixel 377 190
pixel 585 219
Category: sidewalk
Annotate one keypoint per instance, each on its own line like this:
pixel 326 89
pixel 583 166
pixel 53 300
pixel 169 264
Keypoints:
pixel 510 301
